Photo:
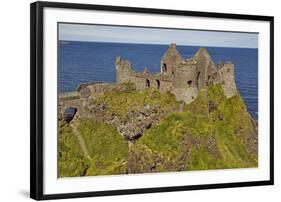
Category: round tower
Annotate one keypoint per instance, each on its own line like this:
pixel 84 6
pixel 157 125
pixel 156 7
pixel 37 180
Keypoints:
pixel 123 69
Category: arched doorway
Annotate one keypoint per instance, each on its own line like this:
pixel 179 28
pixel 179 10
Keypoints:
pixel 164 68
pixel 147 83
pixel 158 83
pixel 208 81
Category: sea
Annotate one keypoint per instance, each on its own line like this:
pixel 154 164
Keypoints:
pixel 80 62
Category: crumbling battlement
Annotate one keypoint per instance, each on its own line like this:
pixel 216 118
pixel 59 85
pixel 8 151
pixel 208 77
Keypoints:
pixel 182 77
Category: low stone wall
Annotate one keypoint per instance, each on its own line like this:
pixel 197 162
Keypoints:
pixel 94 90
pixel 85 96
pixel 69 95
pixel 143 81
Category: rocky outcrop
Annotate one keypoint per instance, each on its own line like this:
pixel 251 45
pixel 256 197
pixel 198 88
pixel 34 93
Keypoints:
pixel 130 125
pixel 136 122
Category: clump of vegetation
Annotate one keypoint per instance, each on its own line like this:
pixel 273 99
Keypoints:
pixel 120 102
pixel 106 148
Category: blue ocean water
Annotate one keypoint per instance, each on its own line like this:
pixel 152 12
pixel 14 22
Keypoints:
pixel 81 62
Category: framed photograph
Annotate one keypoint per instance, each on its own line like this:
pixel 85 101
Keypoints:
pixel 131 100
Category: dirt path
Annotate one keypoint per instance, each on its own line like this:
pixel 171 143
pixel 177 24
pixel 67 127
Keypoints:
pixel 80 140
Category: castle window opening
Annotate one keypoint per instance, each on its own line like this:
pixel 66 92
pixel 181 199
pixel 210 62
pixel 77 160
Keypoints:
pixel 164 67
pixel 189 83
pixel 208 81
pixel 198 75
pixel 228 70
pixel 158 84
pixel 147 83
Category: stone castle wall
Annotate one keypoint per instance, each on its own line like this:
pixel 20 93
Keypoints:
pixel 185 76
pixel 225 76
pixel 94 90
pixel 185 84
pixel 142 80
pixel 182 77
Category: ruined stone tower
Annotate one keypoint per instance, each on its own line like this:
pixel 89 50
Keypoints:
pixel 182 77
pixel 205 67
pixel 170 59
pixel 123 69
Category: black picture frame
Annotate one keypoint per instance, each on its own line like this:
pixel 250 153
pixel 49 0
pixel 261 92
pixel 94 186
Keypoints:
pixel 36 99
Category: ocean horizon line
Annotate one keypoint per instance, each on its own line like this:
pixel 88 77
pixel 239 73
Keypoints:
pixel 204 46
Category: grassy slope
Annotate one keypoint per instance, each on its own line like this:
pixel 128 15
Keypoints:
pixel 106 148
pixel 71 160
pixel 215 140
pixel 191 140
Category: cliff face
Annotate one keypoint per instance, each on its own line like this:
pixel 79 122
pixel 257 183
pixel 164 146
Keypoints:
pixel 213 132
pixel 129 131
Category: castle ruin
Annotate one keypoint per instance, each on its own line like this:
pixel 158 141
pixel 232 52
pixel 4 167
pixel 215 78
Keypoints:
pixel 182 77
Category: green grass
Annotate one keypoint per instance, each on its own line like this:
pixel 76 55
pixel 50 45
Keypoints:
pixel 107 149
pixel 120 102
pixel 71 160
